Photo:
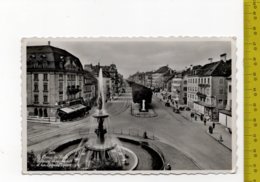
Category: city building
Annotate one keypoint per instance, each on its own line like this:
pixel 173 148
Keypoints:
pixel 90 89
pixel 225 115
pixel 192 85
pixel 107 81
pixel 212 88
pixel 54 83
pixel 179 89
pixel 185 86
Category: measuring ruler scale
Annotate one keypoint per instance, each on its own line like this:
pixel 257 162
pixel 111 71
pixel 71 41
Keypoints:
pixel 251 90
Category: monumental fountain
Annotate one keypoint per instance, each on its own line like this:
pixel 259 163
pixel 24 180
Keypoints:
pixel 102 149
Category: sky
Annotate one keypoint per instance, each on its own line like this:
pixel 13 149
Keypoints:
pixel 133 56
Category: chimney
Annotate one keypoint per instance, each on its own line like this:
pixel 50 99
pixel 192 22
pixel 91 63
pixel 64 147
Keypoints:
pixel 210 60
pixel 49 43
pixel 191 66
pixel 223 57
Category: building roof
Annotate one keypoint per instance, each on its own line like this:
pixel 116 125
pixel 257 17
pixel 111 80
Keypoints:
pixel 219 68
pixel 89 78
pixel 46 57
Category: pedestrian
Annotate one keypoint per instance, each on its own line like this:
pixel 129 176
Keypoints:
pixel 145 135
pixel 205 121
pixel 210 130
pixel 168 167
pixel 220 138
pixel 213 125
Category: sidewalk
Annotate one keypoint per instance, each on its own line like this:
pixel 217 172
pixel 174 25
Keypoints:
pixel 220 130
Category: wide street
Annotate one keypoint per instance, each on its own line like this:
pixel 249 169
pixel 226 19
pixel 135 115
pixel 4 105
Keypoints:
pixel 189 137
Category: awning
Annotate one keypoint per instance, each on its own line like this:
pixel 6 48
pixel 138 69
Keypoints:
pixel 204 104
pixel 73 108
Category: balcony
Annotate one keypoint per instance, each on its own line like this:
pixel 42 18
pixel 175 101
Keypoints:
pixel 204 85
pixel 72 90
pixel 201 95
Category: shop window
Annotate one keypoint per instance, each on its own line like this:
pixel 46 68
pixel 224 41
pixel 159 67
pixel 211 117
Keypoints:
pixel 40 112
pixel 45 113
pixel 35 112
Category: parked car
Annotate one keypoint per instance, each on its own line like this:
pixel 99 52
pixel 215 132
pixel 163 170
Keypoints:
pixel 176 110
pixel 181 108
pixel 187 109
pixel 167 104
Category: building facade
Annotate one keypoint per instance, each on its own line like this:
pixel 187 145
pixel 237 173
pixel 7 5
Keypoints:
pixel 54 78
pixel 90 89
pixel 192 86
pixel 212 88
pixel 225 115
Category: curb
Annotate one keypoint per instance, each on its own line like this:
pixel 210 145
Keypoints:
pixel 219 141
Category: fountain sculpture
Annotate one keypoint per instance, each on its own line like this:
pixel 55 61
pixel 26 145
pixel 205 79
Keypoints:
pixel 102 152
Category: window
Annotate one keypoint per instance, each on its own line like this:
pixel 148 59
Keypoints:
pixel 221 91
pixel 45 77
pixel 195 80
pixel 60 86
pixel 205 80
pixel 60 97
pixel 229 88
pixel 73 77
pixel 60 76
pixel 36 77
pixel 207 91
pixel 225 102
pixel 45 87
pixel 221 80
pixel 220 101
pixel 208 81
pixel 36 87
pixel 207 100
pixel 45 99
pixel 36 99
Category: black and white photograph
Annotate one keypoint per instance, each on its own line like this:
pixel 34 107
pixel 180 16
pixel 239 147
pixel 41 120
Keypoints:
pixel 129 105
